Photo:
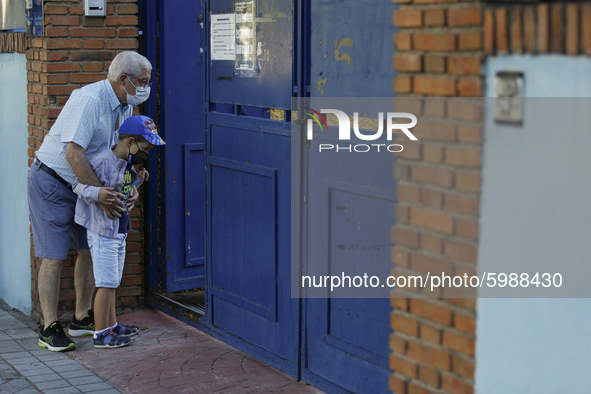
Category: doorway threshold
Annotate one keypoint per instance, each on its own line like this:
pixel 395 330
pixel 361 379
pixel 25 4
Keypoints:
pixel 193 300
pixel 190 305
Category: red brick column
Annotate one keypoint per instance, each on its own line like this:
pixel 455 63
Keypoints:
pixel 75 51
pixel 439 53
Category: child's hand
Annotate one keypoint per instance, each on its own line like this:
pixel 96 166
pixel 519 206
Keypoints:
pixel 108 196
pixel 144 174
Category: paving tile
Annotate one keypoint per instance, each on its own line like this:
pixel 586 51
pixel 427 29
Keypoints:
pixel 36 371
pixel 7 322
pixel 30 343
pixel 21 333
pixel 52 384
pixel 7 372
pixel 62 362
pixel 28 359
pixel 39 351
pixel 62 390
pixel 77 374
pixel 69 366
pixel 103 391
pixel 10 347
pixel 4 366
pixel 53 356
pixel 79 381
pixel 31 366
pixel 46 377
pixel 87 388
pixel 15 385
pixel 15 355
pixel 30 390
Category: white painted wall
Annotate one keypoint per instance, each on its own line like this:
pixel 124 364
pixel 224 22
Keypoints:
pixel 15 268
pixel 536 206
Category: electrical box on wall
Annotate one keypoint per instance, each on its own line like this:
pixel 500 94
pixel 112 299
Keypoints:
pixel 95 7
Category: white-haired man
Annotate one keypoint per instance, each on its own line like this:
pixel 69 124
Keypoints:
pixel 87 125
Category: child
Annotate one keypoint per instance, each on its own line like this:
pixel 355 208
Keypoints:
pixel 106 236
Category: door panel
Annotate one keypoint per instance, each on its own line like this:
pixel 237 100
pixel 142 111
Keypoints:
pixel 248 187
pixel 249 203
pixel 246 224
pixel 269 85
pixel 350 214
pixel 184 161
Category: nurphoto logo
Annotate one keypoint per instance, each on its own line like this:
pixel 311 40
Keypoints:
pixel 345 130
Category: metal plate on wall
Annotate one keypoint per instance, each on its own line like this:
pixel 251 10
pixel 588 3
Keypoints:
pixel 509 93
pixel 12 14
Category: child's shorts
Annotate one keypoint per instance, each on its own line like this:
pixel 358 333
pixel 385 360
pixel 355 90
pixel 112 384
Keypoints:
pixel 108 256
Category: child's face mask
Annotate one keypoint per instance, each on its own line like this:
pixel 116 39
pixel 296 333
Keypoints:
pixel 138 157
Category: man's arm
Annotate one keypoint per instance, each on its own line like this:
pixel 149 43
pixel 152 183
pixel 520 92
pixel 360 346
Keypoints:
pixel 86 175
pixel 82 169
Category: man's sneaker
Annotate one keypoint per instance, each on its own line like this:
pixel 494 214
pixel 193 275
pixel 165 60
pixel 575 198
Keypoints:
pixel 125 331
pixel 54 338
pixel 108 339
pixel 80 328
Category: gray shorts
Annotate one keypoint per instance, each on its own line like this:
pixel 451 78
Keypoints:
pixel 52 206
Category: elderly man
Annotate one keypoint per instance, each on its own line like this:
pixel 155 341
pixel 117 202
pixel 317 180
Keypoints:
pixel 87 124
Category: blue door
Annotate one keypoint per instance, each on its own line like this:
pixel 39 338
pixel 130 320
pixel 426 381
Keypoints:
pixel 183 119
pixel 250 81
pixel 349 217
pixel 346 340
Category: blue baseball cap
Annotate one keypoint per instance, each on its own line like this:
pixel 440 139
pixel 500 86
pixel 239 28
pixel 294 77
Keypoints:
pixel 144 126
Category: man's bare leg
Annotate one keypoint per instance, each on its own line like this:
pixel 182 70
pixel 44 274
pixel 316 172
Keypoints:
pixel 84 283
pixel 48 285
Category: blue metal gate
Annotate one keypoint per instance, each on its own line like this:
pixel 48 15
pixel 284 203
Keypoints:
pixel 346 340
pixel 226 175
pixel 249 181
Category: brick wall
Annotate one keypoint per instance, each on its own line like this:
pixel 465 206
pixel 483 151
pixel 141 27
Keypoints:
pixel 75 51
pixel 440 48
pixel 439 53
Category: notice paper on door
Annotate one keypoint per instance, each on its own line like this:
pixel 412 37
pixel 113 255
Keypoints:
pixel 245 35
pixel 223 38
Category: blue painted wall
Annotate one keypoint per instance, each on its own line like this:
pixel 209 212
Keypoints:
pixel 535 206
pixel 15 269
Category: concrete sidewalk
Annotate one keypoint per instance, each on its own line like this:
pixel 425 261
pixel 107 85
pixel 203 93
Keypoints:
pixel 167 356
pixel 26 368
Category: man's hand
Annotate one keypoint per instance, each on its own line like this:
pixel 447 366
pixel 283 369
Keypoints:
pixel 111 202
pixel 133 197
pixel 107 196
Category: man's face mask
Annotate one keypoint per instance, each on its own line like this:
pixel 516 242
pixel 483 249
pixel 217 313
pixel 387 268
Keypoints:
pixel 138 157
pixel 141 94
